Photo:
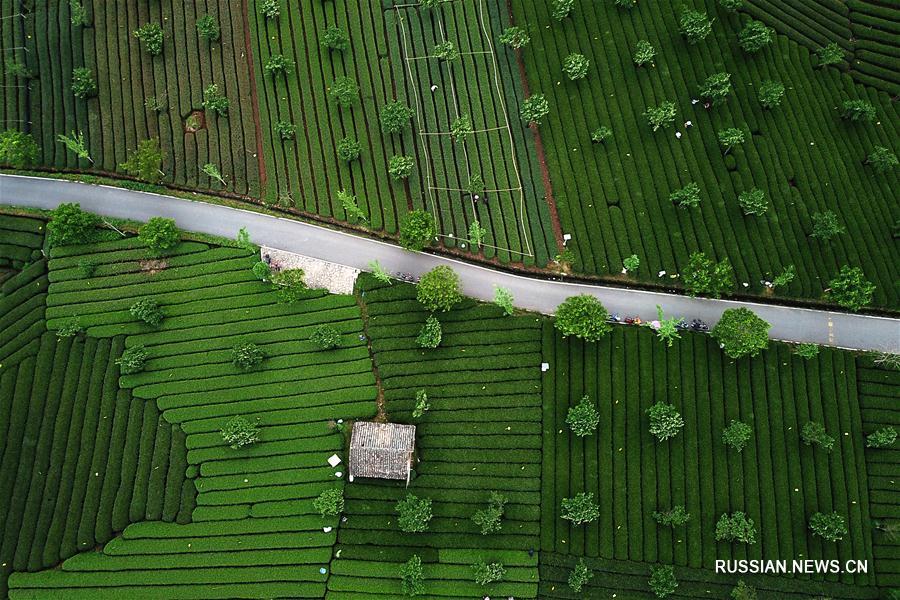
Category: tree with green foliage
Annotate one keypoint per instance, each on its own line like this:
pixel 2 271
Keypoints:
pixel 83 84
pixel 438 289
pixel 421 406
pixel 461 128
pixel 75 143
pixel 415 513
pixel 270 9
pixel 694 26
pixel 662 115
pixel 534 109
pixel 477 233
pixel 148 311
pixel 560 9
pixel 813 434
pixel 631 263
pixel 417 230
pixel 486 573
pixel 412 577
pixel 731 6
pixel 625 3
pixel 504 299
pixel 770 93
pixel 785 277
pixel 239 432
pixel 736 527
pixel 662 580
pixel 395 117
pixel 212 171
pixel 601 134
pixel 807 351
pixel 674 517
pixel 379 272
pixel 582 316
pixel 215 101
pixel 400 167
pixel 825 226
pixel 18 149
pixel 348 149
pixel 262 270
pixel 831 527
pixel 159 235
pixel 515 37
pixel 686 197
pixel 446 51
pixel 583 418
pixel 246 356
pixel 737 435
pixel 87 268
pixel 665 421
pixel 730 137
pixel 77 13
pixel 753 202
pixel 70 328
pixel 580 509
pixel 716 88
pixel 575 66
pixel 289 285
pixel 335 38
pixel 71 225
pixel 850 288
pixel 489 520
pixel 431 3
pixel 351 206
pixel 666 329
pixel 882 438
pixel 151 34
pixel 132 360
pixel 705 276
pixel 285 130
pixel 208 28
pixel 326 337
pixel 831 54
pixel 431 333
pixel 741 333
pixel 145 161
pixel 742 591
pixel 755 36
pixel 882 159
pixel 579 576
pixel 278 65
pixel 330 503
pixel 644 52
pixel 858 110
pixel 344 91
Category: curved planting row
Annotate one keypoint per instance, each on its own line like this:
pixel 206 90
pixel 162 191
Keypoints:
pixel 20 237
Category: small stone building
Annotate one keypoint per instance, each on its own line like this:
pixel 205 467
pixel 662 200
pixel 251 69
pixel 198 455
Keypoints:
pixel 382 450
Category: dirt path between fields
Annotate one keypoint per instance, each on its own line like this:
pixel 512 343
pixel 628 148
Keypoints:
pixel 254 97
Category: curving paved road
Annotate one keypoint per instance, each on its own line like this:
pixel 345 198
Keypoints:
pixel 857 332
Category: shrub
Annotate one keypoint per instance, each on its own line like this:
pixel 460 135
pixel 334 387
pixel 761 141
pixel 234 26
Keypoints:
pixel 344 91
pixel 400 167
pixel 438 289
pixel 489 519
pixel 326 337
pixel 71 225
pixel 83 84
pixel 278 64
pixel 825 226
pixel 562 9
pixel 580 509
pixel 687 196
pixel 348 149
pixel 351 206
pixel 421 406
pixel 662 115
pixel 415 513
pixel 445 50
pixel 579 576
pixel 412 577
pixel 753 202
pixel 785 277
pixel 850 288
pixel 87 268
pixel 262 270
pixel 665 421
pixel 705 276
pixel 831 527
pixel 461 128
pixel 395 117
pixel 755 36
pixel 644 53
pixel 631 263
pixel 858 110
pixel 151 35
pixel 335 38
pixel 770 93
pixel 148 311
pixel 208 28
pixel 77 13
pixel 601 134
pixel 742 591
pixel 145 161
pixel 270 9
pixel 132 360
pixel 716 88
pixel 289 285
pixel 247 355
pixel 239 432
pixel 575 66
pixel 534 109
pixel 159 235
pixel 737 435
pixel 813 433
pixel 430 334
pixel 695 26
pixel 285 131
pixel 582 316
pixel 674 517
pixel 882 438
pixel 417 230
pixel 18 149
pixel 882 159
pixel 730 137
pixel 486 573
pixel 731 5
pixel 741 333
pixel 515 37
pixel 504 299
pixel 583 418
pixel 214 100
pixel 431 3
pixel 662 581
pixel 807 351
pixel 736 527
pixel 70 328
pixel 666 329
pixel 330 502
pixel 831 54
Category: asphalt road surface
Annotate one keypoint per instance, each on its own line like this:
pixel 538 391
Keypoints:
pixel 858 332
